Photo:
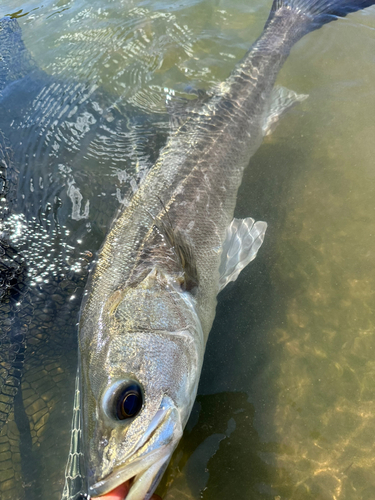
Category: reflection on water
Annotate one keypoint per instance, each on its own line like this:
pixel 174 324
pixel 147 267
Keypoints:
pixel 287 395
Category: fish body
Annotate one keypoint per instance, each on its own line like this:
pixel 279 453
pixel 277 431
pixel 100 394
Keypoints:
pixel 150 301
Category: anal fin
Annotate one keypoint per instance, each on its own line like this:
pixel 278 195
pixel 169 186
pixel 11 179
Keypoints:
pixel 243 239
pixel 282 100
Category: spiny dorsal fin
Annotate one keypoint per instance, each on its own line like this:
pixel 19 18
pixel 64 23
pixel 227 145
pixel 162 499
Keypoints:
pixel 282 100
pixel 180 108
pixel 243 239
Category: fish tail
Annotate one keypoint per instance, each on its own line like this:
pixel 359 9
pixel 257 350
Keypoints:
pixel 309 15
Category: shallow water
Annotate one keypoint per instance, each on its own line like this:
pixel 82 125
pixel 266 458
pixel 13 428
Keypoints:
pixel 286 402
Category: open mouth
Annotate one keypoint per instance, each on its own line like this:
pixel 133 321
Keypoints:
pixel 121 492
pixel 140 477
pixel 137 479
pixel 139 486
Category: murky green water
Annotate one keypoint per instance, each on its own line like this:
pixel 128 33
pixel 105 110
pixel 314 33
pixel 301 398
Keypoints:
pixel 286 403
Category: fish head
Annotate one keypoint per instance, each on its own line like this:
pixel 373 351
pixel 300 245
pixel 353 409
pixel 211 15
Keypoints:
pixel 139 377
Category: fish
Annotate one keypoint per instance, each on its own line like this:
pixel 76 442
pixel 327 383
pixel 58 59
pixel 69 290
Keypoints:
pixel 151 297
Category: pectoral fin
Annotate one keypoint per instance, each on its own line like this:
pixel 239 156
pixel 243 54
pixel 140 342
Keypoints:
pixel 243 239
pixel 282 100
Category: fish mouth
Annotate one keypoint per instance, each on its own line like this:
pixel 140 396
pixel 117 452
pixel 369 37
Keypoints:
pixel 143 475
pixel 143 472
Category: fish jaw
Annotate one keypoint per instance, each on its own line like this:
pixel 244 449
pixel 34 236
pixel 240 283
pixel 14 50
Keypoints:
pixel 144 477
pixel 146 466
pixel 118 493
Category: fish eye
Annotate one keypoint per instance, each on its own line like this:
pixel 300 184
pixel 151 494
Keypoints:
pixel 128 402
pixel 123 399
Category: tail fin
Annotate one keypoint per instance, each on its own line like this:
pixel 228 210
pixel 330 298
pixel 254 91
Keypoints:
pixel 318 12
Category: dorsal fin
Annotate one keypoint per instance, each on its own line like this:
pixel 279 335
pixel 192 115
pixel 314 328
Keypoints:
pixel 180 108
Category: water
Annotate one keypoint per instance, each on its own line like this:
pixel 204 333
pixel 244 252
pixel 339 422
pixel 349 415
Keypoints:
pixel 287 395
